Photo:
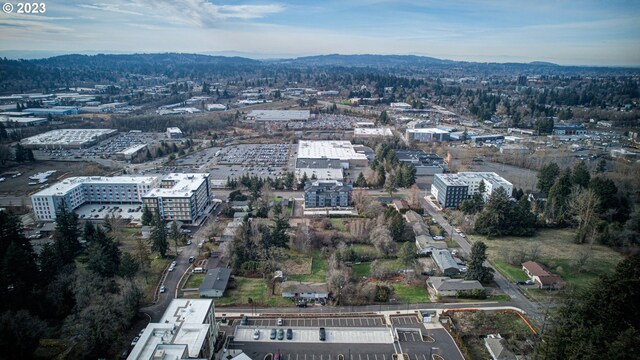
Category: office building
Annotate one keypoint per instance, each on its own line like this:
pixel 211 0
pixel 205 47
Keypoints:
pixel 427 135
pixel 67 138
pixel 425 163
pixel 182 197
pixel 452 189
pixel 187 330
pixel 174 133
pixel 327 194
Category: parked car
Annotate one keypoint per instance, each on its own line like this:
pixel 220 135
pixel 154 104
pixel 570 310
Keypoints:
pixel 280 334
pixel 192 259
pixel 171 268
pixel 163 289
pixel 135 341
pixel 256 334
pixel 323 334
pixel 273 334
pixel 280 322
pixel 301 304
pixel 245 320
pixel 289 334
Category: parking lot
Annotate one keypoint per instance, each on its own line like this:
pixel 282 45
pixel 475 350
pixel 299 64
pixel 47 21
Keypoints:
pixel 99 211
pixel 404 320
pixel 410 336
pixel 305 351
pixel 378 335
pixel 321 322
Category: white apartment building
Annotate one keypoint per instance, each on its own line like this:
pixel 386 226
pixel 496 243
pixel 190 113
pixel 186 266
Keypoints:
pixel 182 197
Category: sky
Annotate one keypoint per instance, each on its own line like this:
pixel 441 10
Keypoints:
pixel 568 32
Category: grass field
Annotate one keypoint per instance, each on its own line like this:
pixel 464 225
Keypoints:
pixel 318 270
pixel 338 224
pixel 364 250
pixel 363 269
pixel 558 253
pixel 512 272
pixel 194 281
pixel 246 288
pixel 410 293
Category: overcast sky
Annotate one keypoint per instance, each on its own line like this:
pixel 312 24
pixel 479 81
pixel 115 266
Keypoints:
pixel 576 32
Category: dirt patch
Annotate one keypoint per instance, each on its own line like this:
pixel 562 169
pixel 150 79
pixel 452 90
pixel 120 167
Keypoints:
pixel 297 266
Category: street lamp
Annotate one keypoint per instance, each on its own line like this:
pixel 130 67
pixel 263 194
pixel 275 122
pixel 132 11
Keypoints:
pixel 431 351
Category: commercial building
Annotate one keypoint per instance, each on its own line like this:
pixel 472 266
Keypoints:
pixel 182 197
pixel 215 283
pixel 569 130
pixel 426 135
pixel 425 163
pixel 15 121
pixel 131 152
pixel 67 138
pixel 216 107
pixel 279 115
pixel 480 139
pixel 320 173
pixel 187 330
pixel 339 151
pixel 366 133
pixel 174 133
pixel 56 110
pixel 327 194
pixel 451 189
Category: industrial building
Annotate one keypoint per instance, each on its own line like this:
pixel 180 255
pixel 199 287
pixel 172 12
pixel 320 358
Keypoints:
pixel 365 133
pixel 342 152
pixel 320 173
pixel 479 139
pixel 187 330
pixel 182 197
pixel 452 189
pixel 67 138
pixel 15 121
pixel 174 133
pixel 426 135
pixel 131 152
pixel 569 130
pixel 56 110
pixel 425 163
pixel 327 194
pixel 279 115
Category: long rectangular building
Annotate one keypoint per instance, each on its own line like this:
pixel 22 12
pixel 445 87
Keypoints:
pixel 452 189
pixel 182 197
pixel 341 151
pixel 279 115
pixel 67 138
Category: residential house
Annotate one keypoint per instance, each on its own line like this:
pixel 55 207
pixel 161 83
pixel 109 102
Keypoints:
pixel 215 283
pixel 495 344
pixel 445 262
pixel 446 286
pixel 542 278
pixel 304 290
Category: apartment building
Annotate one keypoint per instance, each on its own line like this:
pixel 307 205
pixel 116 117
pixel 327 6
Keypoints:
pixel 327 194
pixel 452 189
pixel 182 197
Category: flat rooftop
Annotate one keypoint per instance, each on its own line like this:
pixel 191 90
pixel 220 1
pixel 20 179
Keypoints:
pixel 193 311
pixel 68 136
pixel 428 131
pixel 333 149
pixel 67 184
pixel 184 184
pixel 279 115
pixel 384 131
pixel 464 178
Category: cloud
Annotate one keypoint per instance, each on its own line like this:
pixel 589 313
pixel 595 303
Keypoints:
pixel 195 13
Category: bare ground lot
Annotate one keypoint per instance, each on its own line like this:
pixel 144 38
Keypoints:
pixel 20 185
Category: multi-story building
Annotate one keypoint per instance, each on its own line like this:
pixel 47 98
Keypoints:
pixel 327 194
pixel 427 135
pixel 569 130
pixel 181 197
pixel 187 330
pixel 452 189
pixel 174 133
pixel 425 163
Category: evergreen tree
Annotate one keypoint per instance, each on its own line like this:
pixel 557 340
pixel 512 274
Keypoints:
pixel 88 231
pixel 558 197
pixel 147 216
pixel 384 117
pixel 361 181
pixel 128 266
pixel 547 177
pixel 602 166
pixel 159 236
pixel 65 235
pixel 580 175
pixel 303 181
pixel 476 268
pixel 19 155
pixel 104 255
pixel 175 234
pixel 407 254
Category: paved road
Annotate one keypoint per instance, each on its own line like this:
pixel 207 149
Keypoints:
pixel 517 298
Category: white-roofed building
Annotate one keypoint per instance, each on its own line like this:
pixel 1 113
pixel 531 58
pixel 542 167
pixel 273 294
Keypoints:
pixel 174 133
pixel 279 115
pixel 320 173
pixel 130 152
pixel 187 330
pixel 451 189
pixel 342 151
pixel 372 132
pixel 67 138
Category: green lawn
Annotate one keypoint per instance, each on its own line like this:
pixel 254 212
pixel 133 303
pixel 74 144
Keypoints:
pixel 410 293
pixel 318 269
pixel 363 269
pixel 512 272
pixel 338 224
pixel 194 281
pixel 246 288
pixel 558 253
pixel 368 251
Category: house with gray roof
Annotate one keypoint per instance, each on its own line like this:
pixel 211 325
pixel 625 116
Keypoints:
pixel 495 344
pixel 446 286
pixel 445 262
pixel 215 283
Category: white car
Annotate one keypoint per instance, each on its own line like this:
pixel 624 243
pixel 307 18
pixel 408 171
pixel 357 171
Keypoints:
pixel 163 289
pixel 171 268
pixel 256 334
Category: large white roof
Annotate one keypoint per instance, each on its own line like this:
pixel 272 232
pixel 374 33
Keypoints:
pixel 67 136
pixel 332 149
pixel 65 185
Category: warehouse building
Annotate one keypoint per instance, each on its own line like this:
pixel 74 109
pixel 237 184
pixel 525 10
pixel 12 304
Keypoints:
pixel 16 121
pixel 452 189
pixel 131 152
pixel 427 135
pixel 67 138
pixel 182 197
pixel 366 133
pixel 187 330
pixel 56 110
pixel 279 115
